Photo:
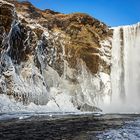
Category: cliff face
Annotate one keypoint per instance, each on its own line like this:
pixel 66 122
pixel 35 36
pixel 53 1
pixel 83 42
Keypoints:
pixel 79 33
pixel 42 50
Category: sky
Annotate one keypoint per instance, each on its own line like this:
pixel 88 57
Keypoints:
pixel 111 12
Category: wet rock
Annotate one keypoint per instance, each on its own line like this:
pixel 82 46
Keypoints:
pixel 38 45
pixel 89 108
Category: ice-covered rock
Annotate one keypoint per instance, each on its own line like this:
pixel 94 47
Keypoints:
pixel 49 58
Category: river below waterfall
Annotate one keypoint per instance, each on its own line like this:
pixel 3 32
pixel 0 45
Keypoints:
pixel 69 126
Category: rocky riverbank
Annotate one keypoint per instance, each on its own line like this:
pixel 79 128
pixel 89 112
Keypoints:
pixel 62 127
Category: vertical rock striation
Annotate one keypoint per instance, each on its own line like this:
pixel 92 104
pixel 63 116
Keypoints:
pixel 52 58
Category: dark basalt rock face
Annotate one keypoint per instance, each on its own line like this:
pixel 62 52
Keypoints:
pixel 32 39
pixel 82 34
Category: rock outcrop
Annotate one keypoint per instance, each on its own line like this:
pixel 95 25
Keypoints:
pixel 42 50
pixel 80 34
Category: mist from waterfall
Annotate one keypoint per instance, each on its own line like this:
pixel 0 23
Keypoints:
pixel 41 78
pixel 125 70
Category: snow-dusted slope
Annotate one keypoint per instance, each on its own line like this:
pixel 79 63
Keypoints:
pixel 55 62
pixel 52 62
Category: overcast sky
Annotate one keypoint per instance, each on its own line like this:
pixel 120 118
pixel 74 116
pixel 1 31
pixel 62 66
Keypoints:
pixel 111 12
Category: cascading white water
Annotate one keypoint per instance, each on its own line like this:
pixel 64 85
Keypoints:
pixel 125 71
pixel 37 85
pixel 93 90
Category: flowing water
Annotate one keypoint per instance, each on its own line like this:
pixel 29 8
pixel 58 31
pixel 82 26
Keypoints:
pixel 125 71
pixel 69 126
pixel 43 92
pixel 47 91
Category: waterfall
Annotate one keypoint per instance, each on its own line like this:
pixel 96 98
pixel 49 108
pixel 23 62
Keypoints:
pixel 37 74
pixel 89 90
pixel 125 70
